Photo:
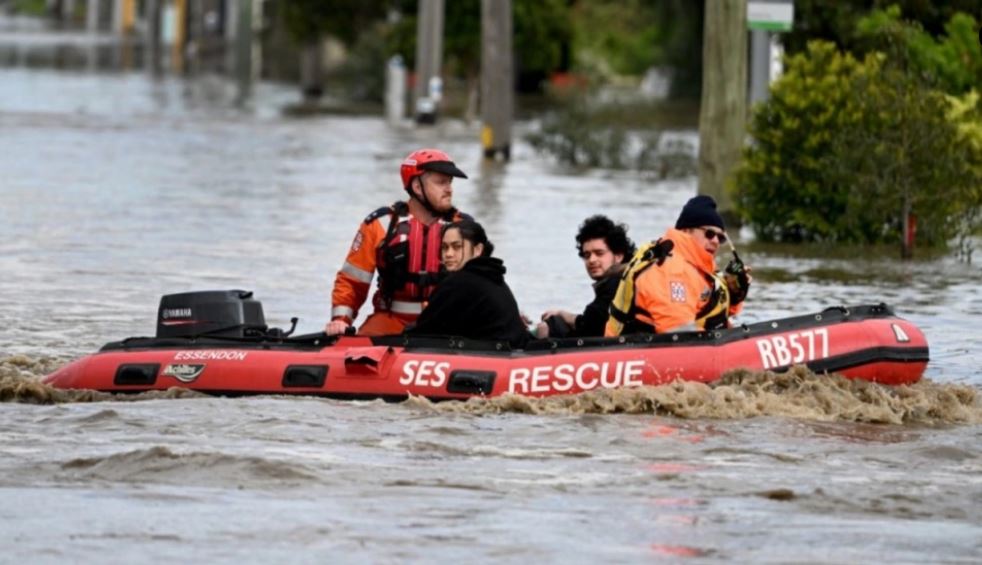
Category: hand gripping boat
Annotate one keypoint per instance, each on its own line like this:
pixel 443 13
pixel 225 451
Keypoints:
pixel 217 342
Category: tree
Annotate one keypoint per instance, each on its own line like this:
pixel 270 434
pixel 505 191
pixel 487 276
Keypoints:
pixel 541 27
pixel 848 150
pixel 629 37
pixel 310 20
pixel 837 21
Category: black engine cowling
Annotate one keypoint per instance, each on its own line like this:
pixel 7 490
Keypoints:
pixel 228 313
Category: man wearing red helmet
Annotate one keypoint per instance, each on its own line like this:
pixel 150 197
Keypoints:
pixel 401 242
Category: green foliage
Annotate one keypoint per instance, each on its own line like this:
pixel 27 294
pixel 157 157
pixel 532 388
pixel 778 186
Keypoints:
pixel 836 21
pixel 362 75
pixel 621 38
pixel 845 148
pixel 30 7
pixel 951 62
pixel 308 20
pixel 629 45
pixel 540 28
pixel 783 192
pixel 461 37
pixel 902 154
pixel 966 113
pixel 629 37
pixel 823 20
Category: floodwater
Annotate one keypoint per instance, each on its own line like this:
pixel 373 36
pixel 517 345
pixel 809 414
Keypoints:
pixel 116 189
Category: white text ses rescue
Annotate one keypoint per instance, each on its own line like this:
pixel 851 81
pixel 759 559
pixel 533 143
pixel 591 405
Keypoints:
pixel 425 373
pixel 587 376
pixel 537 380
pixel 789 349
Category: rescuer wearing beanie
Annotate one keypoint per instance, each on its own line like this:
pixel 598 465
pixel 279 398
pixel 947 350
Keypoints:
pixel 672 285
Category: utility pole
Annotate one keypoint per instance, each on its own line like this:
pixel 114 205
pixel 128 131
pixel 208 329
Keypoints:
pixel 429 58
pixel 497 82
pixel 243 48
pixel 180 36
pixel 723 111
pixel 154 10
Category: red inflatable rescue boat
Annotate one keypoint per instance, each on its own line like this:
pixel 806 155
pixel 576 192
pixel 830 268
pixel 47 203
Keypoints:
pixel 217 342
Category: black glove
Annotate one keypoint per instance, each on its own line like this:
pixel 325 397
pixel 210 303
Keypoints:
pixel 737 280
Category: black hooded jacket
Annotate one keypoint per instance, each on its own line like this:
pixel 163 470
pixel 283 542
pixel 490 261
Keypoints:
pixel 476 303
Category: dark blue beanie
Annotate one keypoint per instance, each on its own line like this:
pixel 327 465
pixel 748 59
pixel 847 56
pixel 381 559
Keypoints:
pixel 699 211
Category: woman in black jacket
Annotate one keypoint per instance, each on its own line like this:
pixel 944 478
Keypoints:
pixel 473 301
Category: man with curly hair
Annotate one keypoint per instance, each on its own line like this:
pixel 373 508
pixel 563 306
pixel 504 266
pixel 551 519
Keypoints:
pixel 605 249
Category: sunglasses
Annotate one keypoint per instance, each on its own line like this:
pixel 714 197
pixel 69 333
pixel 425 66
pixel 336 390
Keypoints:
pixel 711 234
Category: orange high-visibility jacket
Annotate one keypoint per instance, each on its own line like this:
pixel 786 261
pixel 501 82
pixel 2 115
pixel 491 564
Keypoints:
pixel 675 293
pixel 354 279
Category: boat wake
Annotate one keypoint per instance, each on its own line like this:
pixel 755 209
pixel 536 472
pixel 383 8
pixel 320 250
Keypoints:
pixel 798 393
pixel 20 381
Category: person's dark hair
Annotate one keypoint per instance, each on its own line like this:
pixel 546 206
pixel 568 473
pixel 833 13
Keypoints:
pixel 614 235
pixel 473 232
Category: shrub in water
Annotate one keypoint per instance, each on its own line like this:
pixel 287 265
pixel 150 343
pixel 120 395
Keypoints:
pixel 846 149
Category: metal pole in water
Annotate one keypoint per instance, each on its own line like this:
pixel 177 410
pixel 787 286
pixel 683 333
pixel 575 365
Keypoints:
pixel 153 36
pixel 760 65
pixel 429 57
pixel 230 23
pixel 243 48
pixel 395 89
pixel 497 82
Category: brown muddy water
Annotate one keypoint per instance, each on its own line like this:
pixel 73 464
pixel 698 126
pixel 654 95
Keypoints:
pixel 116 189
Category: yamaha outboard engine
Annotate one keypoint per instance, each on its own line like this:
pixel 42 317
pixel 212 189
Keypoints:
pixel 224 313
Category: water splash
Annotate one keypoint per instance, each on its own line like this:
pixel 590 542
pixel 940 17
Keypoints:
pixel 20 381
pixel 798 393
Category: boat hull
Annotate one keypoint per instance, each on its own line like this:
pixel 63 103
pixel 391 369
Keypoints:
pixel 867 343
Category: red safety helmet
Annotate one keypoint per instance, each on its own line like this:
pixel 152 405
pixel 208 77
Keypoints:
pixel 421 160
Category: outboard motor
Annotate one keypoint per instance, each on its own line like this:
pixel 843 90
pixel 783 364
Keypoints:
pixel 224 313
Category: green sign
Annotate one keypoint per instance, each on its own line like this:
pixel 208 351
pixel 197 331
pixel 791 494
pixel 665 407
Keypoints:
pixel 770 16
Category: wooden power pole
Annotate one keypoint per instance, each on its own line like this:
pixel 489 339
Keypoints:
pixel 722 114
pixel 497 83
pixel 429 59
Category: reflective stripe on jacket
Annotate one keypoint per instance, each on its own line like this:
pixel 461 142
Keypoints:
pixel 353 281
pixel 683 292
